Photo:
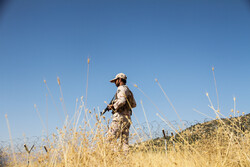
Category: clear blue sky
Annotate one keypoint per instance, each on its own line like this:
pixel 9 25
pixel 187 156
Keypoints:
pixel 175 41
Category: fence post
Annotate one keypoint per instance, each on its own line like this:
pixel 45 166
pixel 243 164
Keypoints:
pixel 165 140
pixel 28 151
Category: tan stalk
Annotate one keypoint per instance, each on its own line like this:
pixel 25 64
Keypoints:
pixel 53 100
pixel 216 89
pixel 203 114
pixel 62 98
pixel 87 83
pixel 146 120
pixel 229 145
pixel 11 141
pixel 76 111
pixel 78 115
pixel 212 107
pixel 39 117
pixel 156 80
pixel 234 105
pixel 153 104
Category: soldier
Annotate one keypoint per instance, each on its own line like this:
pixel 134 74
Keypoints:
pixel 122 111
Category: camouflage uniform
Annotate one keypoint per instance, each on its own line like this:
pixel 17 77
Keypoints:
pixel 121 119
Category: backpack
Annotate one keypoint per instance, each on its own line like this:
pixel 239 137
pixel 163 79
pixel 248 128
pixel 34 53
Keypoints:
pixel 131 99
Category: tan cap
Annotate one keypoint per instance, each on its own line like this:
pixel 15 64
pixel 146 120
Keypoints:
pixel 120 75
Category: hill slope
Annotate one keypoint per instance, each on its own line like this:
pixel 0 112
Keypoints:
pixel 237 125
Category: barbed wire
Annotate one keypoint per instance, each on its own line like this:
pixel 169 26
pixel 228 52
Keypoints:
pixel 154 128
pixel 146 130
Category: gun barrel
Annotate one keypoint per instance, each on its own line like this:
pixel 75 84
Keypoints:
pixel 107 109
pixel 103 112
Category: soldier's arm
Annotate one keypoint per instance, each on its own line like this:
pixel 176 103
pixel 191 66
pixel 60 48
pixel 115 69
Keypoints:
pixel 121 99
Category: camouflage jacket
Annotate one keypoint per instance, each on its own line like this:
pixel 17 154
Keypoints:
pixel 124 101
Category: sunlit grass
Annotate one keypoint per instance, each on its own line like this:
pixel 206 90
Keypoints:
pixel 226 145
pixel 221 142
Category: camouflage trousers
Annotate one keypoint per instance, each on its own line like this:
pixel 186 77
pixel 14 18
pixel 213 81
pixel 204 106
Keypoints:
pixel 119 129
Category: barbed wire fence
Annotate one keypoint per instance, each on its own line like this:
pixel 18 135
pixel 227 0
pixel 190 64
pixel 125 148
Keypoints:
pixel 153 129
pixel 146 130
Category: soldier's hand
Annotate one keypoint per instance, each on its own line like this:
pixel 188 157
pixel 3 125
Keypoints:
pixel 110 107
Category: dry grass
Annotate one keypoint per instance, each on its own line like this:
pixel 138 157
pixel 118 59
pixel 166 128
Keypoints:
pixel 227 145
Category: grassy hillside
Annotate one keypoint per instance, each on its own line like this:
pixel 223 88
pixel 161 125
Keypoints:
pixel 236 125
pixel 221 142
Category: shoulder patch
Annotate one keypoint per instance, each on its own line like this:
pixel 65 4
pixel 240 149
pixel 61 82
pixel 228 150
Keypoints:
pixel 119 90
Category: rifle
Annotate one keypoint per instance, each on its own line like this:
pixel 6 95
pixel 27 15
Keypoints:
pixel 107 109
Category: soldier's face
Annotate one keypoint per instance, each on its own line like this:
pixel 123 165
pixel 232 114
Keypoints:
pixel 117 82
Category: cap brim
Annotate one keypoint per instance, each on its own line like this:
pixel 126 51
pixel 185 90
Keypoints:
pixel 113 80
